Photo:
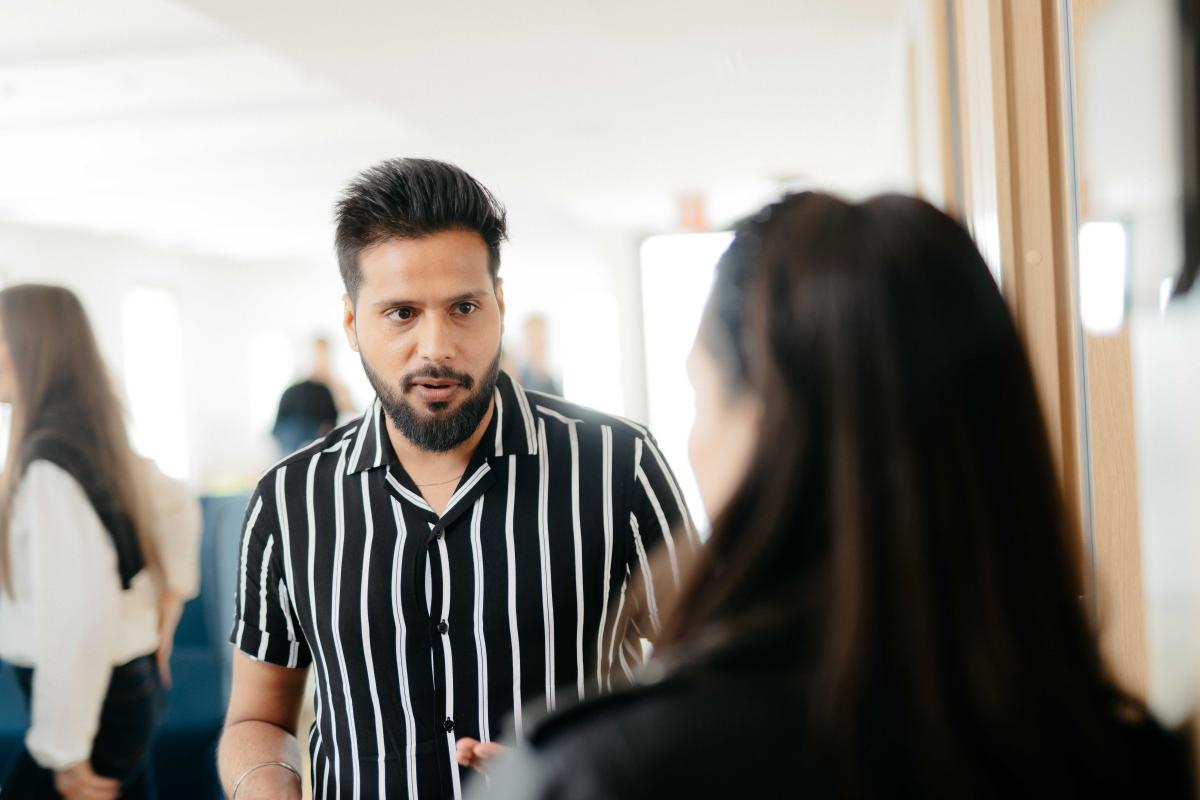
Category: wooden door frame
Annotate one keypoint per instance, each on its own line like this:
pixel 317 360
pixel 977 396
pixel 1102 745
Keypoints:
pixel 1013 68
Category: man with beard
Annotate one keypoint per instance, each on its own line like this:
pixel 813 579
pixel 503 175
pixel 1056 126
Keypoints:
pixel 465 554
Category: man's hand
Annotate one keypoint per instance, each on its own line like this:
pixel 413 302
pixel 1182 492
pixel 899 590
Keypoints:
pixel 170 609
pixel 79 782
pixel 476 754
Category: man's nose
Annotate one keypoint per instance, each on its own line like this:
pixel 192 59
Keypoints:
pixel 435 342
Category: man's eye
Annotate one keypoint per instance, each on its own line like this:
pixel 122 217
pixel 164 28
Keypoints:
pixel 466 308
pixel 402 313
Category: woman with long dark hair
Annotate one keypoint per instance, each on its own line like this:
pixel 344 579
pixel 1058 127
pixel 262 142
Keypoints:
pixel 889 604
pixel 97 554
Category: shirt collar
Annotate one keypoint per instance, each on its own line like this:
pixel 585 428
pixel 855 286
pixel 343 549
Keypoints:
pixel 512 431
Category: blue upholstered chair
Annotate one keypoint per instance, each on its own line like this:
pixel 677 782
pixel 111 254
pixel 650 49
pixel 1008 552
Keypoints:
pixel 185 754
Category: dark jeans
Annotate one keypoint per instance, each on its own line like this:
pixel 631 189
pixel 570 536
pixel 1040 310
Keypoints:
pixel 133 708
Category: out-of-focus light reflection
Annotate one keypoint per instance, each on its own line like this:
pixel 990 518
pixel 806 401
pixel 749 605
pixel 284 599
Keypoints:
pixel 1102 260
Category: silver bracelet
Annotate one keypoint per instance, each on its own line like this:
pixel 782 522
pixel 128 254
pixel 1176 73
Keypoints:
pixel 237 784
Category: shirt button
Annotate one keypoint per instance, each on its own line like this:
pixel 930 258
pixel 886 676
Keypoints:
pixel 443 627
pixel 448 725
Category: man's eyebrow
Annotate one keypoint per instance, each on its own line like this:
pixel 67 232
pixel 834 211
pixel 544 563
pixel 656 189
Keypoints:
pixel 465 296
pixel 400 303
pixel 386 304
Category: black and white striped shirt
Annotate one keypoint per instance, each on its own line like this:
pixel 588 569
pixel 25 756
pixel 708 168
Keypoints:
pixel 426 629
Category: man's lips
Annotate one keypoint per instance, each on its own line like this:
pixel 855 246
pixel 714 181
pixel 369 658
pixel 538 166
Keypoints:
pixel 435 390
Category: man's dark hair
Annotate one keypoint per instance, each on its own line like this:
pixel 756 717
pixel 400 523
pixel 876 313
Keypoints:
pixel 410 198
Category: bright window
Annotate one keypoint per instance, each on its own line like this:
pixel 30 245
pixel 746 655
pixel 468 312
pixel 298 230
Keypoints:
pixel 677 273
pixel 153 339
pixel 590 356
pixel 1102 278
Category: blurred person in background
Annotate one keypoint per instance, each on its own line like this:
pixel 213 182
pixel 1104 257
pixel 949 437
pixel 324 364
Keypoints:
pixel 98 552
pixel 890 602
pixel 535 371
pixel 309 409
pixel 462 550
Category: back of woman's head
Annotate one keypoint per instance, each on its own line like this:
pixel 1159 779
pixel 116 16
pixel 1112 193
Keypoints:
pixel 63 398
pixel 900 521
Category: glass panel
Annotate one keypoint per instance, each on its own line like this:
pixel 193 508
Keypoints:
pixel 1141 344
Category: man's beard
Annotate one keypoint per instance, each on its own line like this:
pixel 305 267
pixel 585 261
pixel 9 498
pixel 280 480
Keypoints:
pixel 437 432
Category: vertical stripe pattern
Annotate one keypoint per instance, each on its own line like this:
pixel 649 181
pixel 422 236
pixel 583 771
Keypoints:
pixel 425 628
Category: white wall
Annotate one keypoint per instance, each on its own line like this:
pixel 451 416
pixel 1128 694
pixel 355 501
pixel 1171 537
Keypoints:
pixel 577 277
pixel 581 278
pixel 925 123
pixel 222 304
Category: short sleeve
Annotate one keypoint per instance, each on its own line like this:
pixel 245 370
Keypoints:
pixel 265 626
pixel 177 528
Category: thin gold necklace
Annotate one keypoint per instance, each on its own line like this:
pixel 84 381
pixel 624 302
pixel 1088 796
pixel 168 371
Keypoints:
pixel 440 483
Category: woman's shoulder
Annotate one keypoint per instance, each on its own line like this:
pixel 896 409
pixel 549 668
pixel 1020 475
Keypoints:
pixel 48 457
pixel 158 483
pixel 51 501
pixel 43 475
pixel 1161 755
pixel 698 736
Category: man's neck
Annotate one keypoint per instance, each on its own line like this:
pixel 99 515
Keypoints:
pixel 425 467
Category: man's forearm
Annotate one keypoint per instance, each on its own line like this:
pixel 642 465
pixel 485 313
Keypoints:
pixel 247 744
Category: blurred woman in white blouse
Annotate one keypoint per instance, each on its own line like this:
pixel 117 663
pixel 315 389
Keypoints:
pixel 98 552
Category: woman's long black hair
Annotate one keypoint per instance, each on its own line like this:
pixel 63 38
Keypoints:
pixel 901 529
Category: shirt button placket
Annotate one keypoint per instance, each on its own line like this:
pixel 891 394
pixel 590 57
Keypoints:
pixel 443 627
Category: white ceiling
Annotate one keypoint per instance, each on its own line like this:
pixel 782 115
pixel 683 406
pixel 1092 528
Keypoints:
pixel 227 126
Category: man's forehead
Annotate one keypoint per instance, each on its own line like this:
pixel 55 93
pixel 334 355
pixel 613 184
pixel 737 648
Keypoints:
pixel 453 244
pixel 425 268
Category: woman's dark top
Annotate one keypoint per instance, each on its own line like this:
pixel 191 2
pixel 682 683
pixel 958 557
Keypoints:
pixel 735 732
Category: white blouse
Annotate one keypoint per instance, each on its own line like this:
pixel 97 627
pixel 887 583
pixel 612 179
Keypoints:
pixel 68 618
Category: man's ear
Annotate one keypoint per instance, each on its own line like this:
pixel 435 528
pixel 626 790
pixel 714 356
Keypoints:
pixel 348 322
pixel 500 300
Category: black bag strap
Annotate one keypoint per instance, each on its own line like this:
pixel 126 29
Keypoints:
pixel 60 451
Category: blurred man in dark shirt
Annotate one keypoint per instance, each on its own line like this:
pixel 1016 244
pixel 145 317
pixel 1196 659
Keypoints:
pixel 309 409
pixel 535 371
